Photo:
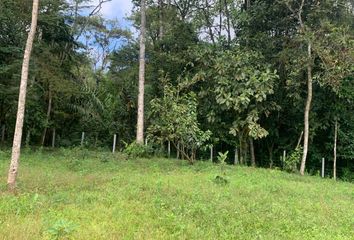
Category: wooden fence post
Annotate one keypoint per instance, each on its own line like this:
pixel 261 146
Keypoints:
pixel 169 149
pixel 236 157
pixel 53 138
pixel 114 143
pixel 82 138
pixel 211 153
pixel 323 168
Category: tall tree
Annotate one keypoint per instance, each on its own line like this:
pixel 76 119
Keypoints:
pixel 16 148
pixel 140 124
pixel 309 90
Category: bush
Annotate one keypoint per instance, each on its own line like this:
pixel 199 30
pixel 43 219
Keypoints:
pixel 222 160
pixel 291 162
pixel 347 175
pixel 135 150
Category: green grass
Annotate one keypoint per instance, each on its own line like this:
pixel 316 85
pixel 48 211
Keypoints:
pixel 88 195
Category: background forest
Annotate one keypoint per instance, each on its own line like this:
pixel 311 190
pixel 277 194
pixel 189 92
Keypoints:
pixel 230 75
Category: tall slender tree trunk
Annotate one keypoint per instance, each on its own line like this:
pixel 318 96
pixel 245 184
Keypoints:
pixel 335 150
pixel 307 109
pixel 248 4
pixel 220 18
pixel 241 150
pixel 16 148
pixel 161 27
pixel 245 152
pixel 208 21
pixel 49 109
pixel 140 124
pixel 253 157
pixel 227 12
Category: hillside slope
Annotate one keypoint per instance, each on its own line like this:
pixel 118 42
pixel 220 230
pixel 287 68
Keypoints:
pixel 87 195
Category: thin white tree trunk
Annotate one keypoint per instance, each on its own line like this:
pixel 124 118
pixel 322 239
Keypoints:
pixel 307 110
pixel 335 151
pixel 140 124
pixel 16 148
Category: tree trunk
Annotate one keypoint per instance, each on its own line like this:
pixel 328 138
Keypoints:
pixel 307 110
pixel 178 150
pixel 140 124
pixel 245 151
pixel 228 22
pixel 248 4
pixel 241 150
pixel 220 18
pixel 271 158
pixel 49 109
pixel 161 27
pixel 16 148
pixel 253 157
pixel 335 150
pixel 208 21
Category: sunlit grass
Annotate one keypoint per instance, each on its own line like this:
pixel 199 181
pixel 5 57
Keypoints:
pixel 88 195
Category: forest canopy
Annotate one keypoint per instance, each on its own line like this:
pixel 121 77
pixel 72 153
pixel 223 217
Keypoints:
pixel 269 80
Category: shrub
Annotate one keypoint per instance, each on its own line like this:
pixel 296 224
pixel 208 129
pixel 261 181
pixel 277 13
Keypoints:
pixel 347 175
pixel 291 162
pixel 222 160
pixel 135 150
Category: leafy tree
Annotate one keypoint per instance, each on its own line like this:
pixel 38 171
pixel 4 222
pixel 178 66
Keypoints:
pixel 174 118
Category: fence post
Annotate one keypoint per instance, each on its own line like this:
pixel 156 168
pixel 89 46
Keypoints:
pixel 82 138
pixel 323 168
pixel 146 141
pixel 169 149
pixel 114 143
pixel 211 153
pixel 236 157
pixel 284 157
pixel 53 138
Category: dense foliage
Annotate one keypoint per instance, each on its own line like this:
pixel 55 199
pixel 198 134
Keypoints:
pixel 227 74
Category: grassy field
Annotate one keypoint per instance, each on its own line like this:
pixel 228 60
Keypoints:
pixel 87 195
